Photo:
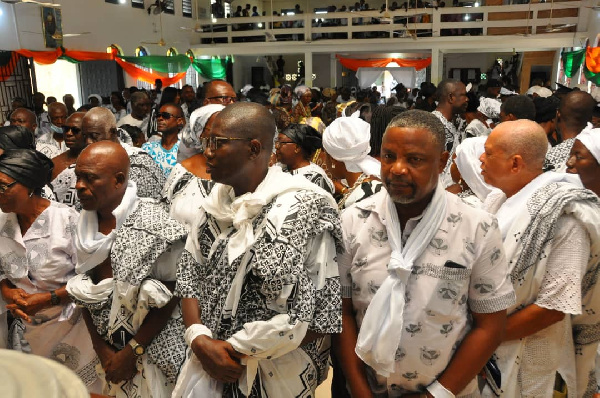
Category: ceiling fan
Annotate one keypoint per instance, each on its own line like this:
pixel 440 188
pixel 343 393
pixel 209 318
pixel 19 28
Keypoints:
pixel 556 28
pixel 31 2
pixel 58 36
pixel 162 41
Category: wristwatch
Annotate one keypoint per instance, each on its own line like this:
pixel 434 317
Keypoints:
pixel 138 349
pixel 54 299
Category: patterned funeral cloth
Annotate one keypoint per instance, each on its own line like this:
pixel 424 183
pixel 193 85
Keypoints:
pixel 40 261
pixel 143 255
pixel 462 270
pixel 145 172
pixel 557 156
pixel 316 175
pixel 64 188
pixel 264 299
pixel 166 159
pixel 47 145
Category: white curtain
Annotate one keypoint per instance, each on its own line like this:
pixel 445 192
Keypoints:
pixel 368 76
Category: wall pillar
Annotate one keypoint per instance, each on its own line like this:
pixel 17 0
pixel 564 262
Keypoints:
pixel 333 64
pixel 308 68
pixel 437 66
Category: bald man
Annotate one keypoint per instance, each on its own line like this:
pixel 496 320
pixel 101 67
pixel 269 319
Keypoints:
pixel 574 113
pixel 52 136
pixel 269 287
pixel 548 224
pixel 99 124
pixel 25 118
pixel 127 248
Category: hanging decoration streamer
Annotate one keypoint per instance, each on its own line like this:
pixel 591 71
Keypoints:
pixel 161 66
pixel 592 59
pixel 572 61
pixel 354 64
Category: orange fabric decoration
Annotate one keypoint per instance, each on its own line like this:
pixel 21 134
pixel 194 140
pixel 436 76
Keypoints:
pixel 354 64
pixel 7 70
pixel 146 76
pixel 89 55
pixel 41 57
pixel 592 59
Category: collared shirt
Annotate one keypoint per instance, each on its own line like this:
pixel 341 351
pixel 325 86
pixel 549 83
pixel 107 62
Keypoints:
pixel 47 145
pixel 44 258
pixel 165 158
pixel 462 270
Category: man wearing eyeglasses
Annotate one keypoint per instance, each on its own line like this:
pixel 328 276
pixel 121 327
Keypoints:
pixel 258 278
pixel 169 121
pixel 63 174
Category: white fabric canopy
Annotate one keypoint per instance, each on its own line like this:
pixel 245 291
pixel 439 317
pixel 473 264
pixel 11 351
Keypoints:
pixel 368 76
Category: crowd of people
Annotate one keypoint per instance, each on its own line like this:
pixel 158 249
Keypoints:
pixel 223 244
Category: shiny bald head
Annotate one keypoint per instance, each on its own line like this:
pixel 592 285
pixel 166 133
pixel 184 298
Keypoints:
pixel 99 124
pixel 25 118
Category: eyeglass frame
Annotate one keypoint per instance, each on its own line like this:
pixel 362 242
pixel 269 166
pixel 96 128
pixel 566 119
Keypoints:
pixel 4 187
pixel 75 130
pixel 206 141
pixel 223 98
pixel 278 143
pixel 162 115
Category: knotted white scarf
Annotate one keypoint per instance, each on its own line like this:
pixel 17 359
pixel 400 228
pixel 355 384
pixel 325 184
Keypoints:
pixel 382 325
pixel 241 211
pixel 94 247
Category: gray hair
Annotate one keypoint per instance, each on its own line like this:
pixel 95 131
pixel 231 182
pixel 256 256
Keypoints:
pixel 138 96
pixel 418 119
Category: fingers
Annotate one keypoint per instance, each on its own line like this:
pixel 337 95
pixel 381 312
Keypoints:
pixel 234 354
pixel 20 314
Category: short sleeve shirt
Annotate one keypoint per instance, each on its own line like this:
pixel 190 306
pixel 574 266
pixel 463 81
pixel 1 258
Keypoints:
pixel 463 270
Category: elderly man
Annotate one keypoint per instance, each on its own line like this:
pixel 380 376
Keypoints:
pixel 140 110
pixel 169 121
pixel 547 224
pixel 25 118
pixel 574 113
pixel 259 278
pixel 51 141
pixel 98 125
pixel 423 277
pixel 63 174
pixel 127 248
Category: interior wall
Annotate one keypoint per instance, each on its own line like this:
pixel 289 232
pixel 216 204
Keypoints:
pixel 483 61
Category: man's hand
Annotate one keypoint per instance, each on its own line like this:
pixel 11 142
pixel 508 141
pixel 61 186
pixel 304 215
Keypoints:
pixel 218 359
pixel 27 305
pixel 122 366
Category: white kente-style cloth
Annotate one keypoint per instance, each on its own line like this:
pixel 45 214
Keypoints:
pixel 143 251
pixel 262 267
pixel 41 260
pixel 183 192
pixel 461 270
pixel 316 175
pixel 551 237
pixel 477 128
pixel 384 320
pixel 49 146
pixel 64 188
pixel 557 156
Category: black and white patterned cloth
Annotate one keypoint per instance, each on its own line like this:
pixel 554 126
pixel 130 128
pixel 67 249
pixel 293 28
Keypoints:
pixel 145 172
pixel 292 271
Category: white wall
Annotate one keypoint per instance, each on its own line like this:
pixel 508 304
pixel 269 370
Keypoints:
pixel 108 23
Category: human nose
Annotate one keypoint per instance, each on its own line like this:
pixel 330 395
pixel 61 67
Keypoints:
pixel 399 167
pixel 79 185
pixel 571 162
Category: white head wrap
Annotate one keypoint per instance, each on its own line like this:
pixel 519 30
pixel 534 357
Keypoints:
pixel 541 91
pixel 198 119
pixel 97 96
pixel 590 137
pixel 469 165
pixel 246 88
pixel 490 107
pixel 300 90
pixel 347 140
pixel 505 91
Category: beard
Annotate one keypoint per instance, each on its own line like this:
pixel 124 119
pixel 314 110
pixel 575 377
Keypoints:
pixel 403 199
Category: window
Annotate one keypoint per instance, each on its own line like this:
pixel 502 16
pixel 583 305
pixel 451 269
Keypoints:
pixel 186 8
pixel 141 51
pixel 137 4
pixel 169 7
pixel 171 52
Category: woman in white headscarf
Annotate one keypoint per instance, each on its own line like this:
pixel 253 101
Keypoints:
pixel 346 142
pixel 487 113
pixel 585 159
pixel 189 180
pixel 466 172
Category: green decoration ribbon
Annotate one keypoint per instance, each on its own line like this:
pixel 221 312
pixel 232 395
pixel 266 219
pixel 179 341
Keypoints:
pixel 572 61
pixel 213 68
pixel 160 63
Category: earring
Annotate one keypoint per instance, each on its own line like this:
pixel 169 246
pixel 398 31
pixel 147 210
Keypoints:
pixel 296 151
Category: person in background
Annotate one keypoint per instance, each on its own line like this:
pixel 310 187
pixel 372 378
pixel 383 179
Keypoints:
pixel 43 122
pixel 329 112
pixel 466 172
pixel 69 102
pixel 94 100
pixel 545 116
pixel 118 104
pixel 50 100
pixel 517 107
pixel 37 258
pixel 382 116
pixel 15 104
pixel 51 142
pixel 170 120
pixel 294 148
pixel 25 118
pixel 138 138
pixel 188 101
pixel 140 109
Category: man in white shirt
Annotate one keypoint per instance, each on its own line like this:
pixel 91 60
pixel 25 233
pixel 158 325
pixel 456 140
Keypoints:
pixel 424 285
pixel 140 109
pixel 548 222
pixel 51 141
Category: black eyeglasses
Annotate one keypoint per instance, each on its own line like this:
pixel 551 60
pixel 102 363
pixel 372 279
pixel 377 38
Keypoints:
pixel 212 143
pixel 278 144
pixel 75 130
pixel 223 99
pixel 165 115
pixel 4 187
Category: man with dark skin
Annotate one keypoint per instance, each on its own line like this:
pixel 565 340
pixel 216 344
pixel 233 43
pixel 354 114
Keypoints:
pixel 140 109
pixel 102 171
pixel 74 140
pixel 69 102
pixel 238 150
pixel 218 92
pixel 99 125
pixel 452 103
pixel 25 118
pixel 170 121
pixel 53 135
pixel 188 100
pixel 39 100
pixel 574 113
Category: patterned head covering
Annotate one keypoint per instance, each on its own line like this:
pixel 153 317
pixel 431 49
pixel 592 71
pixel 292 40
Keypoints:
pixel 198 119
pixel 328 92
pixel 301 90
pixel 274 98
pixel 347 140
pixel 27 166
pixel 16 137
pixel 490 107
pixel 590 137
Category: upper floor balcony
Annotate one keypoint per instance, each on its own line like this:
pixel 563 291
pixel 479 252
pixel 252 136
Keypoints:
pixel 428 26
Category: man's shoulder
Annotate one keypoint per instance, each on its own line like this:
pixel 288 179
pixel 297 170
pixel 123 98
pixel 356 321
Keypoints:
pixel 152 216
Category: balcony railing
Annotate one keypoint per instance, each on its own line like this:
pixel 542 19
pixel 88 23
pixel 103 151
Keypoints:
pixel 517 20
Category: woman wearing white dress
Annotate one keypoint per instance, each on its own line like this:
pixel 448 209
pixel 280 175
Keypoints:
pixel 37 258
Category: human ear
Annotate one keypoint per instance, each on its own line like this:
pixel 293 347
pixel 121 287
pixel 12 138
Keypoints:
pixel 120 179
pixel 443 161
pixel 255 148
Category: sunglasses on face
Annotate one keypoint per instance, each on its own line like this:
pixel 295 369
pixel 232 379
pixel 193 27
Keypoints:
pixel 75 130
pixel 213 143
pixel 165 115
pixel 223 99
